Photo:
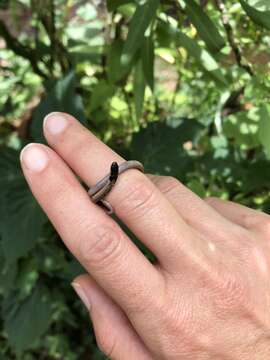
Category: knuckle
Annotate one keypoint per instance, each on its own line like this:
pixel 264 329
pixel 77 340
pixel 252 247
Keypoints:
pixel 138 198
pixel 137 308
pixel 79 144
pixel 177 321
pixel 168 184
pixel 211 200
pixel 261 223
pixel 103 247
pixel 148 300
pixel 231 293
pixel 242 241
pixel 141 304
pixel 265 228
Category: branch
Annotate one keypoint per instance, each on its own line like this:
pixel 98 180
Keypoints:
pixel 58 51
pixel 230 36
pixel 19 49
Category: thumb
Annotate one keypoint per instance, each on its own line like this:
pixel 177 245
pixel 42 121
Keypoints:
pixel 114 333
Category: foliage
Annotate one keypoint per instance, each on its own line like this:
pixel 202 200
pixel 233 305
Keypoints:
pixel 182 85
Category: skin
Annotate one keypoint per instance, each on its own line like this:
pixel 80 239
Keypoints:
pixel 207 296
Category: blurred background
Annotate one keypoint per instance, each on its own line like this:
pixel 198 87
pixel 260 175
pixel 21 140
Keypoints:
pixel 181 85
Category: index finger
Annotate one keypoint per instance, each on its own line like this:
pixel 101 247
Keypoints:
pixel 93 237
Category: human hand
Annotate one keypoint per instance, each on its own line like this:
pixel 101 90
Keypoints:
pixel 208 295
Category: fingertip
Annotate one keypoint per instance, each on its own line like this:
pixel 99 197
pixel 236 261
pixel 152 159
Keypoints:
pixel 83 279
pixel 34 157
pixel 55 123
pixel 82 294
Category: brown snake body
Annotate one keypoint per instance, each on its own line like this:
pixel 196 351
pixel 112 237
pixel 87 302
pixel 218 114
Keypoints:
pixel 104 186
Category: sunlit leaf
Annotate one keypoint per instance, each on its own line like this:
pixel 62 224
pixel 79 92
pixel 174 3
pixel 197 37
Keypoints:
pixel 115 70
pixel 203 57
pixel 261 18
pixel 264 128
pixel 141 19
pixel 114 4
pixel 204 25
pixel 102 92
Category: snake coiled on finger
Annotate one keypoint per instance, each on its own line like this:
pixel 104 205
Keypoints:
pixel 104 186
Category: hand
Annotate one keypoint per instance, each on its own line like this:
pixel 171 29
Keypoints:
pixel 208 295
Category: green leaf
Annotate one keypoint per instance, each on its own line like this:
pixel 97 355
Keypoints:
pixel 148 57
pixel 203 57
pixel 264 129
pixel 242 127
pixel 115 70
pixel 62 97
pixel 159 146
pixel 102 92
pixel 27 321
pixel 139 89
pixel 22 219
pixel 197 187
pixel 8 273
pixel 112 5
pixel 204 25
pixel 141 19
pixel 261 18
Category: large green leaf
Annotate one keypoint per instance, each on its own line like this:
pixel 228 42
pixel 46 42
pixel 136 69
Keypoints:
pixel 264 128
pixel 141 19
pixel 27 321
pixel 102 92
pixel 22 219
pixel 62 97
pixel 202 57
pixel 115 70
pixel 148 58
pixel 159 146
pixel 114 4
pixel 139 88
pixel 8 273
pixel 204 25
pixel 261 18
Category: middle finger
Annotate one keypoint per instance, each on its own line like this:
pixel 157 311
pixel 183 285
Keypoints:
pixel 136 201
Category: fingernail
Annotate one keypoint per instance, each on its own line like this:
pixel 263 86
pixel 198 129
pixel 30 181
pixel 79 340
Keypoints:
pixel 82 295
pixel 34 158
pixel 55 123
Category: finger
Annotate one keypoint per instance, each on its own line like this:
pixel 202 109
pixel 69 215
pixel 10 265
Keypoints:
pixel 92 236
pixel 195 211
pixel 239 214
pixel 114 333
pixel 137 202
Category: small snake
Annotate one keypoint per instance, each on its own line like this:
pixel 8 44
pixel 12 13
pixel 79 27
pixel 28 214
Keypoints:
pixel 104 186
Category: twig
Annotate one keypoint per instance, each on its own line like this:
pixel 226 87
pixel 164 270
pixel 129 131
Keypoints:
pixel 58 51
pixel 19 49
pixel 52 34
pixel 230 36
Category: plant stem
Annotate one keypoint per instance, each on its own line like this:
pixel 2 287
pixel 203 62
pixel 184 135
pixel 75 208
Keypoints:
pixel 21 50
pixel 230 36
